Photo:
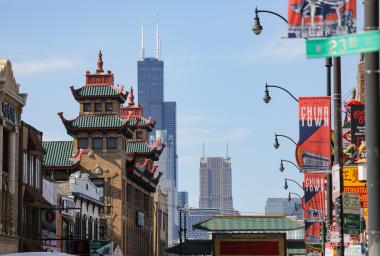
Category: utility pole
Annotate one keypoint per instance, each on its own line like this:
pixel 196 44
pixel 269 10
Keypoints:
pixel 372 119
pixel 338 152
pixel 327 224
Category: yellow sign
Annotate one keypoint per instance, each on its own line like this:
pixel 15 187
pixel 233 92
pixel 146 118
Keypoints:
pixel 353 185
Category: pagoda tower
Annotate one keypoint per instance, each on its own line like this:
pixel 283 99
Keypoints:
pixel 110 144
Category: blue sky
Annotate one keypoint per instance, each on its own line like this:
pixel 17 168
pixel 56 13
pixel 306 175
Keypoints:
pixel 215 69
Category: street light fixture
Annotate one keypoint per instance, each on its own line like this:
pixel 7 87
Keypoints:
pixel 257 28
pixel 286 183
pixel 276 144
pixel 282 168
pixel 267 97
pixel 291 193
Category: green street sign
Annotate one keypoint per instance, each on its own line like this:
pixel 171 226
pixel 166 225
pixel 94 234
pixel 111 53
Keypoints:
pixel 343 45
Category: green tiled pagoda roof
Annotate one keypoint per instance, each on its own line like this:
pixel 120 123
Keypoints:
pixel 142 121
pixel 58 153
pixel 98 91
pixel 97 121
pixel 248 223
pixel 139 147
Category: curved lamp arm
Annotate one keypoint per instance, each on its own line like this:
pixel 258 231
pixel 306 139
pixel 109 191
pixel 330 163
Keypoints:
pixel 281 88
pixel 283 160
pixel 281 135
pixel 286 184
pixel 274 13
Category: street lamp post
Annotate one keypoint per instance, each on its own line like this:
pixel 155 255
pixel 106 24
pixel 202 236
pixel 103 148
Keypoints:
pixel 276 144
pixel 286 183
pixel 267 97
pixel 257 28
pixel 372 123
pixel 282 168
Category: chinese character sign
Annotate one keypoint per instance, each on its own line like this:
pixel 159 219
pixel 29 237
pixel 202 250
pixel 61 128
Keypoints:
pixel 321 18
pixel 313 151
pixel 352 184
pixel 357 124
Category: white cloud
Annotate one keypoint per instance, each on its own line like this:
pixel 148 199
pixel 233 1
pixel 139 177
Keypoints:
pixel 45 65
pixel 194 136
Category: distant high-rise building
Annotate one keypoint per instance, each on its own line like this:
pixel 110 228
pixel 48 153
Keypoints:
pixel 216 184
pixel 195 216
pixel 167 183
pixel 151 97
pixel 284 207
pixel 183 199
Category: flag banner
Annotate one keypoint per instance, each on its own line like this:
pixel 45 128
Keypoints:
pixel 321 18
pixel 314 206
pixel 313 152
pixel 357 125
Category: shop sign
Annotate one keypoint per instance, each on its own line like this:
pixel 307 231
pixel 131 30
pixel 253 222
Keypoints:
pixel 353 250
pixel 352 184
pixel 357 124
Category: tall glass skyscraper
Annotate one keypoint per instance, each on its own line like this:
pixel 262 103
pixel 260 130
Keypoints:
pixel 216 184
pixel 183 199
pixel 150 83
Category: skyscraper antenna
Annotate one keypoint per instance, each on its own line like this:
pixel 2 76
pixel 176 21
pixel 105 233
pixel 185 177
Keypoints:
pixel 227 148
pixel 204 154
pixel 142 49
pixel 158 42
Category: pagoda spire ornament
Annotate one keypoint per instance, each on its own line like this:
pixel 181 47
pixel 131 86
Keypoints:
pixel 131 100
pixel 99 68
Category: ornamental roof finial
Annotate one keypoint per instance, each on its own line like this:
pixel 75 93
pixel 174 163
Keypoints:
pixel 99 68
pixel 131 100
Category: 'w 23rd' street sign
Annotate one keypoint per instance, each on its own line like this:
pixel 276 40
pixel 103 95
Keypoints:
pixel 343 45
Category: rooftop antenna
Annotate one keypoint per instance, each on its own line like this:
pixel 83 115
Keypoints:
pixel 158 42
pixel 227 148
pixel 204 154
pixel 142 50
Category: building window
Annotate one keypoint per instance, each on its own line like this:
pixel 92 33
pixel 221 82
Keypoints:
pixel 109 106
pixel 139 135
pixel 112 142
pixel 98 107
pixel 97 143
pixel 83 143
pixel 86 107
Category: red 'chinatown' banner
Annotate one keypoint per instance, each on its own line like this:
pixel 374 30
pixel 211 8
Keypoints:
pixel 314 206
pixel 313 151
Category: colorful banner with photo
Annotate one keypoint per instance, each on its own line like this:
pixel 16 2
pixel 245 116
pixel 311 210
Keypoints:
pixel 314 207
pixel 321 18
pixel 313 152
pixel 352 184
pixel 357 125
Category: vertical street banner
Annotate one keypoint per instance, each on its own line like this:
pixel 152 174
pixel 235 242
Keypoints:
pixel 357 125
pixel 321 18
pixel 314 207
pixel 352 184
pixel 313 152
